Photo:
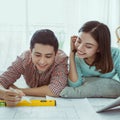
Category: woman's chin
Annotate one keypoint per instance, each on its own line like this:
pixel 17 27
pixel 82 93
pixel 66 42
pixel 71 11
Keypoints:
pixel 81 56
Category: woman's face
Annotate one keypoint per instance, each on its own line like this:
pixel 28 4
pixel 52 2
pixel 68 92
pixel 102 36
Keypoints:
pixel 43 56
pixel 86 46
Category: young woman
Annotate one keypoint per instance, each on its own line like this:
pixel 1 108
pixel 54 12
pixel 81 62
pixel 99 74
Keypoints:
pixel 92 55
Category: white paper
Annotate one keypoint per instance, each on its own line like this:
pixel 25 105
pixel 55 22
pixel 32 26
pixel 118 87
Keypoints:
pixel 65 109
pixel 98 103
pixel 109 105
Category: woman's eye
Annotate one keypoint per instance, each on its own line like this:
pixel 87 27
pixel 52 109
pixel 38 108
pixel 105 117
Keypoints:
pixel 79 42
pixel 88 47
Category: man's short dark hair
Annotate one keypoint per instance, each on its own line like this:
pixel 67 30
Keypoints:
pixel 45 37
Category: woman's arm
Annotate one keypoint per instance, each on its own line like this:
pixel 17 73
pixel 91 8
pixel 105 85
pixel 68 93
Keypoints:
pixel 73 76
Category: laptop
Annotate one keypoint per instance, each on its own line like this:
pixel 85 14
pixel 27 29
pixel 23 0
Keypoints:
pixel 110 105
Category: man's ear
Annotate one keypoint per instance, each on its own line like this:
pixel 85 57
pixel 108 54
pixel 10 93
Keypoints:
pixel 56 52
pixel 30 50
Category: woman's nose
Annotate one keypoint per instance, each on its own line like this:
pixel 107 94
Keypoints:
pixel 80 47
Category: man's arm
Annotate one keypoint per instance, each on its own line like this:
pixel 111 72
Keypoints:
pixel 2 89
pixel 39 91
pixel 11 96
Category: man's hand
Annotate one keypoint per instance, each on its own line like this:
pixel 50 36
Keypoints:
pixel 12 96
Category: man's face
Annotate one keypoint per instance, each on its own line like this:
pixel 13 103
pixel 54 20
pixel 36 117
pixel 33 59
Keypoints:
pixel 43 56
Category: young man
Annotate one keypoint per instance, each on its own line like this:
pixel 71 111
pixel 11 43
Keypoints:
pixel 43 67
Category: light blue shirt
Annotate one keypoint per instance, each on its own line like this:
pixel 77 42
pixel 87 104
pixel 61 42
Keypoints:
pixel 84 70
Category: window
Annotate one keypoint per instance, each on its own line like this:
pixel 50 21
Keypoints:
pixel 19 19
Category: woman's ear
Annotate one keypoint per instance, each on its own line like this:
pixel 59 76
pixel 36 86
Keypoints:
pixel 98 50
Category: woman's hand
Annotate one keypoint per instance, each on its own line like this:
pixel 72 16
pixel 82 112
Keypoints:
pixel 72 44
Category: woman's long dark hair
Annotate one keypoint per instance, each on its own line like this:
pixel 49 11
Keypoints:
pixel 100 32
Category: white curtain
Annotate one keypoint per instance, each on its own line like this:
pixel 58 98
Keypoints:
pixel 20 18
pixel 80 11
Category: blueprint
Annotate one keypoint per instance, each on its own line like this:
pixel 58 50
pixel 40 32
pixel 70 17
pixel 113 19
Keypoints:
pixel 65 109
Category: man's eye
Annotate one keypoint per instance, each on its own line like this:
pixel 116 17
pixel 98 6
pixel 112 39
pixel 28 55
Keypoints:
pixel 48 56
pixel 37 55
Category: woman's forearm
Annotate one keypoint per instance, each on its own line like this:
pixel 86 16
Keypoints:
pixel 73 76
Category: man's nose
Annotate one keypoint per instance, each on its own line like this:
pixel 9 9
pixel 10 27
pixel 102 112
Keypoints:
pixel 42 60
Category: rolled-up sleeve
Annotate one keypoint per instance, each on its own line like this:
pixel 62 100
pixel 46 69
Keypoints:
pixel 13 73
